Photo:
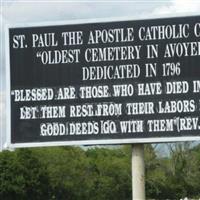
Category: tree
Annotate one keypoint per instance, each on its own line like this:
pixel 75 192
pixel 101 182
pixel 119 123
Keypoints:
pixel 11 179
pixel 22 176
pixel 73 173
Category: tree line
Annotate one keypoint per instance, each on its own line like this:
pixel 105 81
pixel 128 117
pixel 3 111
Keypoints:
pixel 97 173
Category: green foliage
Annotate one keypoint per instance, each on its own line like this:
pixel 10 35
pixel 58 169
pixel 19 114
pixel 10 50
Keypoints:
pixel 11 179
pixel 22 176
pixel 74 173
pixel 95 174
pixel 111 174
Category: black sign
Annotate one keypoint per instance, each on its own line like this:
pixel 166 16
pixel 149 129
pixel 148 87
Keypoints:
pixel 104 83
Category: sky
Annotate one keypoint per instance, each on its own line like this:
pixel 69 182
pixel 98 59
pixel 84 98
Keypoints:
pixel 17 11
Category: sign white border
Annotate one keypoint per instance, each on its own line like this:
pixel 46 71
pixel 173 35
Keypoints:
pixel 9 145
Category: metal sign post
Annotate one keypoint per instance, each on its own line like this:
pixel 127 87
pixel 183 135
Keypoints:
pixel 138 172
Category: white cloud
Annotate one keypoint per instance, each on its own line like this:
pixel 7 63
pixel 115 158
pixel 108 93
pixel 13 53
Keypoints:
pixel 179 7
pixel 33 11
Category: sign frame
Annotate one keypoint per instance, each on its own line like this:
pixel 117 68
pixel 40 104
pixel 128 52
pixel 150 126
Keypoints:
pixel 9 145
